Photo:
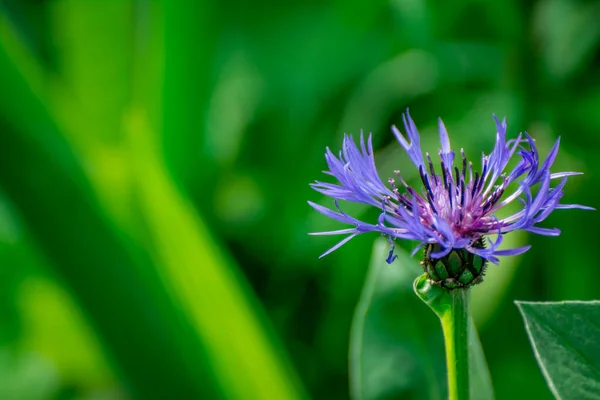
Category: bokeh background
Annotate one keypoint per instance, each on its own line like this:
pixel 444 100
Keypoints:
pixel 154 167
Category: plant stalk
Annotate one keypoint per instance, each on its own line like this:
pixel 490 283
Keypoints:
pixel 455 324
pixel 452 307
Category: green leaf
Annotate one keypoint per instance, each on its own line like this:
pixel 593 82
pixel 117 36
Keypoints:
pixel 396 348
pixel 481 381
pixel 564 336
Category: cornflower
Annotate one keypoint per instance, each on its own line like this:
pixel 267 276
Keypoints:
pixel 456 208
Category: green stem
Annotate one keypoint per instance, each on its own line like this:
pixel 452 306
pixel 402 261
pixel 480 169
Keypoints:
pixel 455 324
pixel 453 310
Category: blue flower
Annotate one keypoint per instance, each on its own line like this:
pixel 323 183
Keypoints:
pixel 456 206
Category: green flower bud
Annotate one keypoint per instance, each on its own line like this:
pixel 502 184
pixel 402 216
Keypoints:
pixel 459 269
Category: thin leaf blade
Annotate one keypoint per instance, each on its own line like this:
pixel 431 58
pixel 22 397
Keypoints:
pixel 481 380
pixel 396 347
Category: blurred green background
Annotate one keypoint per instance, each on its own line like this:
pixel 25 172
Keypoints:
pixel 154 168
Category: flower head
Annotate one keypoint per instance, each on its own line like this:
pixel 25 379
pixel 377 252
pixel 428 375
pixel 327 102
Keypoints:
pixel 455 209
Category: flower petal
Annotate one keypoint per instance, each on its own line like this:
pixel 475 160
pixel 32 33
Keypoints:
pixel 446 154
pixel 413 149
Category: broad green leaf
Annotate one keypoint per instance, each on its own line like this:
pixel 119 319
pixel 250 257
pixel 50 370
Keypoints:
pixel 566 342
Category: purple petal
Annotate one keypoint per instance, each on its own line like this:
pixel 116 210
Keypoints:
pixel 498 159
pixel 337 246
pixel 446 232
pixel 446 153
pixel 541 196
pixel 512 252
pixel 551 156
pixel 564 174
pixel 338 232
pixel 443 253
pixel 413 149
pixel 417 248
pixel 330 213
pixel 572 206
pixel 355 170
pixel 544 231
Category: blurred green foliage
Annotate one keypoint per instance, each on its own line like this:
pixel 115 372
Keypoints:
pixel 154 162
